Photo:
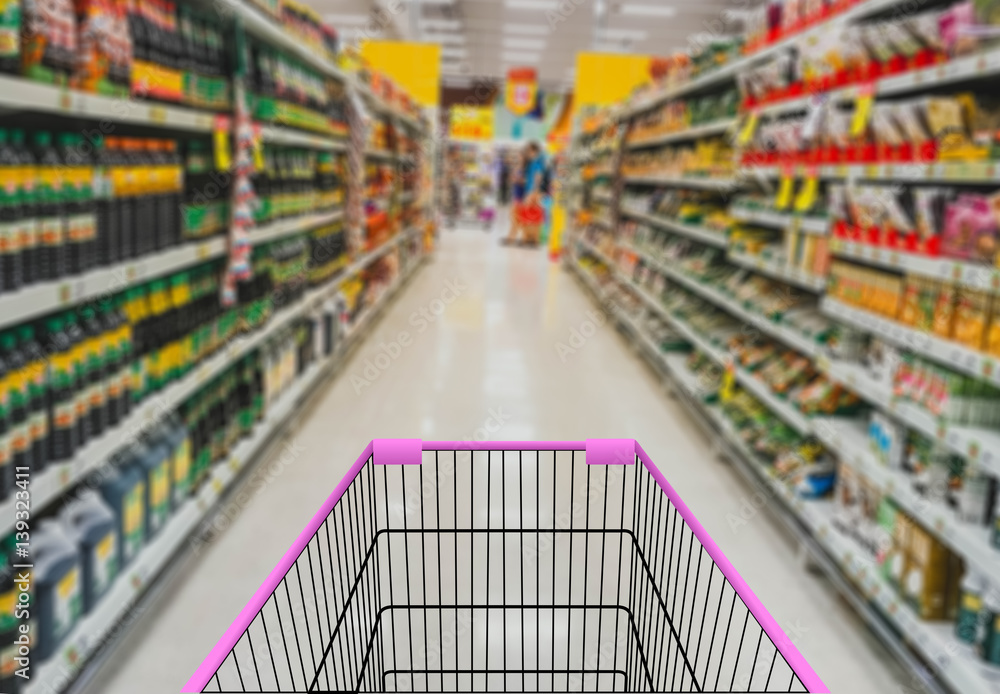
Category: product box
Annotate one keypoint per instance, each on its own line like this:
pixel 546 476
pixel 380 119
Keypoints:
pixel 931 583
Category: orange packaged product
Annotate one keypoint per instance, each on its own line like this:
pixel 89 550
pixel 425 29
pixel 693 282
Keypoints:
pixel 944 312
pixel 104 57
pixel 972 311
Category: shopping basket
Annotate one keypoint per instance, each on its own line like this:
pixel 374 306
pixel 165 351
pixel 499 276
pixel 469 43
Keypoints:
pixel 504 567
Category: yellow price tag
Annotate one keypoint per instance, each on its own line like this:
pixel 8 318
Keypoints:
pixel 749 127
pixel 784 197
pixel 862 110
pixel 220 140
pixel 157 114
pixel 258 151
pixel 806 198
pixel 728 386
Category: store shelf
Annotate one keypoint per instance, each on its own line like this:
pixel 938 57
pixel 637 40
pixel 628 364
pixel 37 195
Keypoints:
pixel 781 220
pixel 728 72
pixel 268 29
pixel 949 353
pixel 39 299
pixel 983 65
pixel 712 238
pixel 20 94
pixel 713 128
pixel 602 199
pixel 849 438
pixel 53 675
pixel 983 172
pixel 779 406
pixel 786 273
pixel 800 343
pixel 977 445
pixel 963 273
pixel 89 634
pixel 294 225
pixel 301 138
pixel 56 479
pixel 704 183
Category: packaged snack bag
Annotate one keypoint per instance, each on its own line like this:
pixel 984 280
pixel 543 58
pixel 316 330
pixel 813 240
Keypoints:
pixel 49 40
pixel 944 312
pixel 971 318
pixel 970 228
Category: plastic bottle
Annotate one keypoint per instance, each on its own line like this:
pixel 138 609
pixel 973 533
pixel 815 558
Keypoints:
pixel 111 355
pixel 108 244
pixel 17 379
pixel 94 356
pixel 10 216
pixel 174 180
pixel 988 633
pixel 9 682
pixel 30 235
pixel 10 42
pixel 6 464
pixel 52 255
pixel 125 347
pixel 37 370
pixel 90 522
pixel 57 585
pixel 154 457
pixel 62 392
pixel 145 208
pixel 123 181
pixel 78 199
pixel 125 492
pixel 970 602
pixel 76 337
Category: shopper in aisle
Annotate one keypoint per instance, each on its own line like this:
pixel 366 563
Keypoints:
pixel 517 188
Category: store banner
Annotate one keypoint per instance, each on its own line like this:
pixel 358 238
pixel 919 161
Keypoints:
pixel 522 90
pixel 471 123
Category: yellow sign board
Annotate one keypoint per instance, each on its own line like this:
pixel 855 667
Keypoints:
pixel 471 123
pixel 522 90
pixel 416 67
pixel 603 79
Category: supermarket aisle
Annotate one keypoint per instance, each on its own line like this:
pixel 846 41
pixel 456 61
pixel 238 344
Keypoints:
pixel 485 323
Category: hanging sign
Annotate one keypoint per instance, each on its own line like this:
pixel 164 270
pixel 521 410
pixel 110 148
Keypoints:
pixel 471 123
pixel 522 90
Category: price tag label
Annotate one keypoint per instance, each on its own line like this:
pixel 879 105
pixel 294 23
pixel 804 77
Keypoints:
pixel 216 485
pixel 785 187
pixel 862 109
pixel 65 294
pixel 157 114
pixel 234 464
pixel 65 100
pixel 202 251
pixel 64 475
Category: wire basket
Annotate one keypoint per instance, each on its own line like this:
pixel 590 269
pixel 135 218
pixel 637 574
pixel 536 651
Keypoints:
pixel 504 567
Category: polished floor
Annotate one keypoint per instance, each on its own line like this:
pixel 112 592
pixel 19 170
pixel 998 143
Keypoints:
pixel 487 328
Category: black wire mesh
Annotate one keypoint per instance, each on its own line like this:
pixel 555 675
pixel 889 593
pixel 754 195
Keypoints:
pixel 504 571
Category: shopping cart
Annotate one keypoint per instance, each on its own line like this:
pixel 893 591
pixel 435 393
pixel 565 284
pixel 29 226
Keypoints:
pixel 504 567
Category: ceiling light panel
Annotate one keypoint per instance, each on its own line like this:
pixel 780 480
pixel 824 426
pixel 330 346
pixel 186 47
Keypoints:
pixel 532 5
pixel 441 24
pixel 523 43
pixel 445 39
pixel 520 57
pixel 633 10
pixel 526 29
pixel 346 19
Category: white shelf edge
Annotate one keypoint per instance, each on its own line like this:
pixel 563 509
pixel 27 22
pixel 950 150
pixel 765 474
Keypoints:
pixel 294 225
pixel 781 220
pixel 791 275
pixel 22 94
pixel 712 128
pixel 961 272
pixel 697 233
pixel 302 138
pixel 707 182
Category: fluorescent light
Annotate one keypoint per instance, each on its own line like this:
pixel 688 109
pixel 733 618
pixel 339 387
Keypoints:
pixel 630 10
pixel 441 24
pixel 538 5
pixel 518 42
pixel 445 39
pixel 347 19
pixel 613 34
pixel 454 52
pixel 526 29
pixel 520 56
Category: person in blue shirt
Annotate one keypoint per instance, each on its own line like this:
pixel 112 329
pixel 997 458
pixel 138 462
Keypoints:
pixel 534 168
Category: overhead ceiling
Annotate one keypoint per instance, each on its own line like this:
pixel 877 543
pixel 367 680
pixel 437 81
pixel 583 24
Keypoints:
pixel 481 39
